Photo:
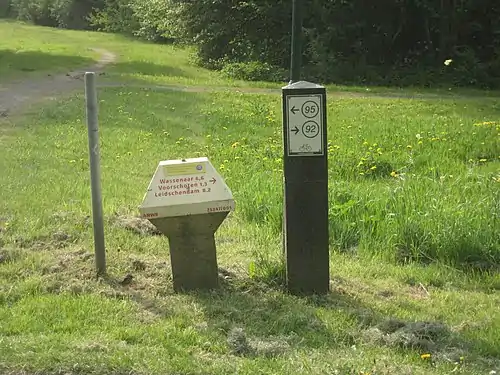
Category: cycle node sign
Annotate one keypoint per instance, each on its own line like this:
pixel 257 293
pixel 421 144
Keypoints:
pixel 305 179
pixel 304 124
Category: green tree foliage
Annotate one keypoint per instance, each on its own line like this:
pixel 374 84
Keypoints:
pixel 396 42
pixel 57 13
pixel 363 41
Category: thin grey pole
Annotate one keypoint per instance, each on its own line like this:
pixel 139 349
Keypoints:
pixel 296 53
pixel 95 173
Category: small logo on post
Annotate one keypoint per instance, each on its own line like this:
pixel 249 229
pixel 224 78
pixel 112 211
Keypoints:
pixel 199 167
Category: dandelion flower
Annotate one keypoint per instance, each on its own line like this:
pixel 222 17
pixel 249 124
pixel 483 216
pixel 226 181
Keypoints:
pixel 425 356
pixel 394 174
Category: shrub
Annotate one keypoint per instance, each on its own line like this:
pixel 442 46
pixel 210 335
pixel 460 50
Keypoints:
pixel 70 14
pixel 36 11
pixel 253 71
pixel 155 19
pixel 5 8
pixel 73 14
pixel 115 16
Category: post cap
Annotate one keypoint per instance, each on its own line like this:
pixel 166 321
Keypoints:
pixel 302 85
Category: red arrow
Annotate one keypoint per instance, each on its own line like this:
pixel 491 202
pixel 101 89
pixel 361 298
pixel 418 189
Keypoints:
pixel 213 180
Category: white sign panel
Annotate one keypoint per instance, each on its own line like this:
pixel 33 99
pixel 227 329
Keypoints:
pixel 186 187
pixel 304 125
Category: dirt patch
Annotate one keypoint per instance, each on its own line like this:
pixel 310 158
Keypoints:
pixel 241 345
pixel 136 225
pixel 424 336
pixel 16 95
pixel 56 240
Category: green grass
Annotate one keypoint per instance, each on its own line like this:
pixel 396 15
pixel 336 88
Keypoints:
pixel 26 51
pixel 34 51
pixel 414 239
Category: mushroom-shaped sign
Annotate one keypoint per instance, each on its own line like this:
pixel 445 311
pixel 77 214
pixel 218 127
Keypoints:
pixel 187 200
pixel 186 187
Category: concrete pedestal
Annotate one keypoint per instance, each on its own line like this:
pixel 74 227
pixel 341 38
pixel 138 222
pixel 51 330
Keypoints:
pixel 192 249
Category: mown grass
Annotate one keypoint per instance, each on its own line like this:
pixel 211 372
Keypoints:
pixel 145 328
pixel 26 51
pixel 414 237
pixel 29 51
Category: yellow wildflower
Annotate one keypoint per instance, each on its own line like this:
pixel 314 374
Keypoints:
pixel 394 174
pixel 235 144
pixel 425 356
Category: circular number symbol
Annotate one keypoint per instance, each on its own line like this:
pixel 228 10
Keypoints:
pixel 310 109
pixel 310 129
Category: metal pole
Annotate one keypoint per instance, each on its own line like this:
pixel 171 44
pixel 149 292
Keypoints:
pixel 296 54
pixel 95 173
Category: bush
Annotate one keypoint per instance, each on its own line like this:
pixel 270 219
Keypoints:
pixel 116 16
pixel 152 20
pixel 73 14
pixel 5 9
pixel 254 71
pixel 37 12
pixel 70 14
pixel 155 19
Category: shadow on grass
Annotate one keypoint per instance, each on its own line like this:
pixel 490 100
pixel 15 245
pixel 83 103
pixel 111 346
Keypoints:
pixel 18 62
pixel 270 320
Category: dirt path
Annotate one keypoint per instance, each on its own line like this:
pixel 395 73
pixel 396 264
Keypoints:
pixel 17 94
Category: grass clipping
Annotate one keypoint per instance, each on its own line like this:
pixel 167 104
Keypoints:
pixel 239 344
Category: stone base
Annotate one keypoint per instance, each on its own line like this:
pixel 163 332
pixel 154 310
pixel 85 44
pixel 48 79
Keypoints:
pixel 192 249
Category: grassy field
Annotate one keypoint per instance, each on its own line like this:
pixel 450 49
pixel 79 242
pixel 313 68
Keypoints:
pixel 414 224
pixel 35 51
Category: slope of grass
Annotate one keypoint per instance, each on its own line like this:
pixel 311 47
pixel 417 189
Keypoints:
pixel 27 52
pixel 414 203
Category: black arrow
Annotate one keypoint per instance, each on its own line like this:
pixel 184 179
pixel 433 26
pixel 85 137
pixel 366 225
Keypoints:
pixel 213 180
pixel 294 110
pixel 295 130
